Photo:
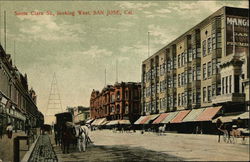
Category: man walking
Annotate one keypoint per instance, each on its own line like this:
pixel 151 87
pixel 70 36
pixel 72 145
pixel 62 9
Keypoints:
pixel 9 130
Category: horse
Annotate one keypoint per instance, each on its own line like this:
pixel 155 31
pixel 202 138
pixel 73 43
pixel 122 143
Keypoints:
pixel 67 137
pixel 161 129
pixel 81 138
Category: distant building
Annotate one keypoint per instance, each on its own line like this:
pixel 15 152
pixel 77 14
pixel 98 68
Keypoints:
pixel 116 102
pixel 79 113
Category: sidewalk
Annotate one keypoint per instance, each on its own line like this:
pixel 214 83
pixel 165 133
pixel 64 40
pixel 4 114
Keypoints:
pixel 6 147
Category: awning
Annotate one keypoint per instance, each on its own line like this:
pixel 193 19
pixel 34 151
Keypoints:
pixel 89 121
pixel 149 118
pixel 224 119
pixel 99 121
pixel 180 116
pixel 208 113
pixel 113 122
pixel 124 122
pixel 104 123
pixel 160 118
pixel 244 115
pixel 140 119
pixel 170 116
pixel 193 115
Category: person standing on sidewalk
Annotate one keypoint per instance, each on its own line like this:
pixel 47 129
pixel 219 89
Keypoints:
pixel 9 130
pixel 1 130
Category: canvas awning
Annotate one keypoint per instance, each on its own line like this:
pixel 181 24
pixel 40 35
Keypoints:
pixel 113 122
pixel 149 118
pixel 99 121
pixel 244 115
pixel 140 119
pixel 208 113
pixel 89 121
pixel 169 117
pixel 124 122
pixel 193 115
pixel 224 119
pixel 180 116
pixel 160 118
pixel 104 123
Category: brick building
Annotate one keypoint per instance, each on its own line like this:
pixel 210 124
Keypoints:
pixel 116 102
pixel 17 101
pixel 206 66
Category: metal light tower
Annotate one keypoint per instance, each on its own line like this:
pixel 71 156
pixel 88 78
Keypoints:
pixel 54 102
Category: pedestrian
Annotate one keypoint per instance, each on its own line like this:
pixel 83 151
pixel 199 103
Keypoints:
pixel 9 130
pixel 219 125
pixel 1 130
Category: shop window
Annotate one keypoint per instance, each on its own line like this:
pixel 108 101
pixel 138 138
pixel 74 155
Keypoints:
pixel 204 48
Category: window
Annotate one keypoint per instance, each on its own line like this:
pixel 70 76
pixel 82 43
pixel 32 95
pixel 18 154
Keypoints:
pixel 174 62
pixel 198 53
pixel 157 88
pixel 185 57
pixel 190 55
pixel 194 53
pixel 209 45
pixel 179 99
pixel 194 73
pixel 214 66
pixel 198 97
pixel 174 81
pixel 198 73
pixel 153 89
pixel 118 95
pixel 209 69
pixel 236 83
pixel 183 98
pixel 204 94
pixel 190 76
pixel 179 80
pixel 185 77
pixel 230 83
pixel 222 82
pixel 168 65
pixel 179 60
pixel 204 71
pixel 204 48
pixel 209 93
pixel 218 40
pixel 189 97
pixel 182 59
pixel 182 78
pixel 213 40
pixel 226 80
pixel 213 90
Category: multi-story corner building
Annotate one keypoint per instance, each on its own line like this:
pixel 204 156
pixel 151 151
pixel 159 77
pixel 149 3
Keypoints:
pixel 79 113
pixel 207 65
pixel 116 102
pixel 17 102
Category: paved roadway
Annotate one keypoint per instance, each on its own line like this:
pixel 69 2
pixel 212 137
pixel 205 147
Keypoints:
pixel 109 146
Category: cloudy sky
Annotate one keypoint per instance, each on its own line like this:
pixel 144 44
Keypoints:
pixel 78 48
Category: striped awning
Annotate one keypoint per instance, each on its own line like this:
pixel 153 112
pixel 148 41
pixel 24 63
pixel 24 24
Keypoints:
pixel 149 118
pixel 99 121
pixel 160 118
pixel 193 115
pixel 140 119
pixel 208 113
pixel 89 121
pixel 170 116
pixel 180 116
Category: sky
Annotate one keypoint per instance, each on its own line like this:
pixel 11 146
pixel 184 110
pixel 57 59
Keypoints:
pixel 79 48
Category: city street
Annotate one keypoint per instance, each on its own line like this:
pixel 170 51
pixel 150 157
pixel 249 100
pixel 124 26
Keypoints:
pixel 110 146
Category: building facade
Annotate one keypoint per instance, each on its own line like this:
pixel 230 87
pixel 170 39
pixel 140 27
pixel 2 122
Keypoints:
pixel 116 102
pixel 17 102
pixel 79 113
pixel 206 66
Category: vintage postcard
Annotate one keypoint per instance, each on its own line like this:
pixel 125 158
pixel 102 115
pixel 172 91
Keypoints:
pixel 124 80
